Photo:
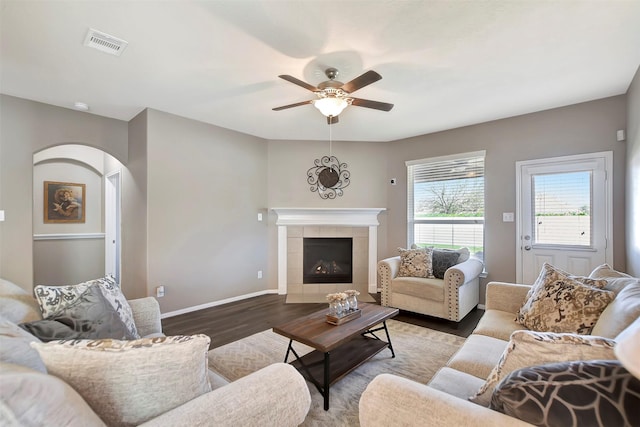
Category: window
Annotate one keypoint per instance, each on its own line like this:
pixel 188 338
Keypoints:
pixel 445 203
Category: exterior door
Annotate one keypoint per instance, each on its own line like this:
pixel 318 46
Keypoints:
pixel 564 207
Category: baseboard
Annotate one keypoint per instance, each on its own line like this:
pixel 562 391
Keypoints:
pixel 216 303
pixel 481 306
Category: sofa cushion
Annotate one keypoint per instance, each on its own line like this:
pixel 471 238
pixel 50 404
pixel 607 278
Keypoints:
pixel 478 356
pixel 415 262
pixel 558 302
pixel 129 382
pixel 442 260
pixel 497 324
pixel 15 346
pixel 529 348
pixel 89 316
pixel 432 289
pixel 620 313
pixel 456 383
pixel 16 304
pixel 31 398
pixel 54 299
pixel 581 393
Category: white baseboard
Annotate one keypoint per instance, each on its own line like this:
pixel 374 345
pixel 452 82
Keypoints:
pixel 481 306
pixel 216 303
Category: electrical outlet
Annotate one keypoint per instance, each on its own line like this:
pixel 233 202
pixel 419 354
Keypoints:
pixel 507 216
pixel 259 274
pixel 160 291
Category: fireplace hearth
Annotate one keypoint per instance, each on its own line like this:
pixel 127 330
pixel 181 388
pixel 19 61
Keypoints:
pixel 327 260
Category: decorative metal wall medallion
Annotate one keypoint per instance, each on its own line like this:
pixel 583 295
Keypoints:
pixel 328 177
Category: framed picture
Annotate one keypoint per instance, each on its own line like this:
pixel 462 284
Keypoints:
pixel 63 202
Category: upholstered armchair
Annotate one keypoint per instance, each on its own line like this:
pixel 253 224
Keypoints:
pixel 451 297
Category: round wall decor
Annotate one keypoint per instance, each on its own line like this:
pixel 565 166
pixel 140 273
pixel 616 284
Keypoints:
pixel 328 177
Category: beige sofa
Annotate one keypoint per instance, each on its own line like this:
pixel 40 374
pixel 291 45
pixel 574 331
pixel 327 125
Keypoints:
pixel 451 298
pixel 444 401
pixel 275 395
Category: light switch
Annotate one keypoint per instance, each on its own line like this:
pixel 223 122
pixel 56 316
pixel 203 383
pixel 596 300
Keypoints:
pixel 260 216
pixel 507 216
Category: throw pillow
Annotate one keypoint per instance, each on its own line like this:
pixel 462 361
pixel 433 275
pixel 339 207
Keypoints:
pixel 54 299
pixel 90 316
pixel 129 382
pixel 415 262
pixel 600 392
pixel 616 281
pixel 442 260
pixel 558 302
pixel 529 348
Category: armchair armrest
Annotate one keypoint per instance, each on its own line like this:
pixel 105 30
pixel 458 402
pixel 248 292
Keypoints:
pixel 387 270
pixel 390 400
pixel 273 396
pixel 146 315
pixel 505 296
pixel 464 272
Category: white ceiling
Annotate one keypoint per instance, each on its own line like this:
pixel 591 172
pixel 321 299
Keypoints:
pixel 445 64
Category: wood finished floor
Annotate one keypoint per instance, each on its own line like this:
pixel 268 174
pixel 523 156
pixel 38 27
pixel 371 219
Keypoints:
pixel 233 321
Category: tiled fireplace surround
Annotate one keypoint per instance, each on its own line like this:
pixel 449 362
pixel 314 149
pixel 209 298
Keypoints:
pixel 294 224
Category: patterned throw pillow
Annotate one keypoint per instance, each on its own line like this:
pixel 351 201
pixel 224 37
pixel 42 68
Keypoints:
pixel 415 262
pixel 130 382
pixel 558 302
pixel 55 299
pixel 442 260
pixel 529 348
pixel 594 393
pixel 90 316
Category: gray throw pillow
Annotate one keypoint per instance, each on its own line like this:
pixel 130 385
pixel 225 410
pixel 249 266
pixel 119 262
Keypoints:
pixel 90 316
pixel 584 393
pixel 442 261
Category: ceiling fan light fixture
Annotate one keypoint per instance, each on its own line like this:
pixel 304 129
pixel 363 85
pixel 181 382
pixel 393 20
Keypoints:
pixel 331 106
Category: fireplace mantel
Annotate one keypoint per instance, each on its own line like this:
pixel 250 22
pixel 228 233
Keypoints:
pixel 336 217
pixel 347 217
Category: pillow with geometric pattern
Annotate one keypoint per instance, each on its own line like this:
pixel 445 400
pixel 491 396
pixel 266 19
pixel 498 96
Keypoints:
pixel 578 393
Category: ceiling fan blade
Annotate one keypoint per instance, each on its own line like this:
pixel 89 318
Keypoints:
pixel 298 82
pixel 361 81
pixel 371 104
pixel 297 104
pixel 332 120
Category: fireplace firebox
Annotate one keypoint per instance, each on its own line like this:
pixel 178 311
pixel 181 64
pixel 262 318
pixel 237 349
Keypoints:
pixel 327 260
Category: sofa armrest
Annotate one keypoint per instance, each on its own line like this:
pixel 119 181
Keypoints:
pixel 462 273
pixel 387 270
pixel 146 315
pixel 390 400
pixel 505 296
pixel 273 396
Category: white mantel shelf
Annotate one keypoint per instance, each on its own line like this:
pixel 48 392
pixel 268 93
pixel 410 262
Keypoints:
pixel 347 217
pixel 339 217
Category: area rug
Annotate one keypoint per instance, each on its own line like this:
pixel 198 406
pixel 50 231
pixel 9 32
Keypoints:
pixel 420 352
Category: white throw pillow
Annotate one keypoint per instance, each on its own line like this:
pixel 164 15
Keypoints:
pixel 129 382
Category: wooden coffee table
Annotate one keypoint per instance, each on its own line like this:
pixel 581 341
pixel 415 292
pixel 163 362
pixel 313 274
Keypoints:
pixel 338 349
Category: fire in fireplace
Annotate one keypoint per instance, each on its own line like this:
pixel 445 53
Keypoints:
pixel 327 260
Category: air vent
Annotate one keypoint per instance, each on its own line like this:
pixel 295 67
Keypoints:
pixel 104 42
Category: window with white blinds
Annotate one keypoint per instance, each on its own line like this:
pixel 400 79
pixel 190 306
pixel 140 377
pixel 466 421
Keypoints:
pixel 562 208
pixel 445 203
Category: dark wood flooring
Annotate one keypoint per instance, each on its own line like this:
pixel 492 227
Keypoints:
pixel 233 321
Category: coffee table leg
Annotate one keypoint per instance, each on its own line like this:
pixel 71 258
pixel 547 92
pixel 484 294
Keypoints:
pixel 386 331
pixel 326 381
pixel 286 357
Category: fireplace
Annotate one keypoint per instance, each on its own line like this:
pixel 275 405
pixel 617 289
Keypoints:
pixel 327 260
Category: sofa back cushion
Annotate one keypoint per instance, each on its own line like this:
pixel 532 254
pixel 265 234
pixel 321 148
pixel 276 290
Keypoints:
pixel 16 304
pixel 15 346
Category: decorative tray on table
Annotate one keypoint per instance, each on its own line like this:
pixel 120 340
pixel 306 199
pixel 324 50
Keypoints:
pixel 339 320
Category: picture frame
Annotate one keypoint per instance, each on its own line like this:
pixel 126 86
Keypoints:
pixel 64 202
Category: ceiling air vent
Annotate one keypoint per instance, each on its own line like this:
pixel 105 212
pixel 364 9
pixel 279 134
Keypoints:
pixel 104 42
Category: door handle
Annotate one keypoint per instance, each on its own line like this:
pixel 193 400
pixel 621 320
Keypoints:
pixel 527 248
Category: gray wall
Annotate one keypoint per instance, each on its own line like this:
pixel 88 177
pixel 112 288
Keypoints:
pixel 28 127
pixel 205 187
pixel 633 177
pixel 581 128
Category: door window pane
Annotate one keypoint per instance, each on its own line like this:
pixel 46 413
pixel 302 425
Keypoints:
pixel 562 209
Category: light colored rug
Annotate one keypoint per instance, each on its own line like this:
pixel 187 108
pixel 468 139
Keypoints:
pixel 420 352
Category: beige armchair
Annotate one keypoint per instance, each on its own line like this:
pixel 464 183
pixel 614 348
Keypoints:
pixel 450 298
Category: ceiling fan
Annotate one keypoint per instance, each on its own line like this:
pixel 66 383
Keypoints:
pixel 334 96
